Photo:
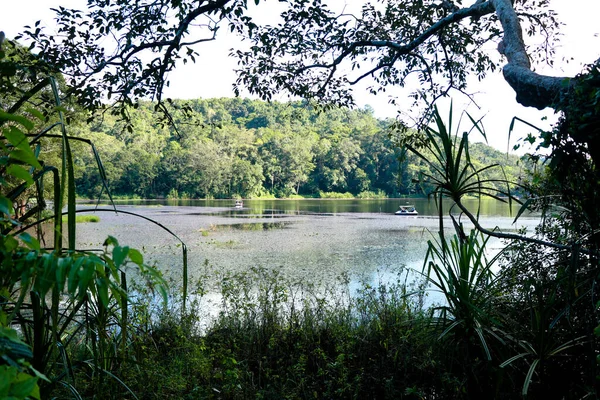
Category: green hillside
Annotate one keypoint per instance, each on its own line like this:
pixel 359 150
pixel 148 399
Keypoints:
pixel 223 148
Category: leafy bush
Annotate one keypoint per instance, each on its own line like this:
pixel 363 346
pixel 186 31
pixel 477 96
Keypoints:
pixel 335 195
pixel 173 194
pixel 380 194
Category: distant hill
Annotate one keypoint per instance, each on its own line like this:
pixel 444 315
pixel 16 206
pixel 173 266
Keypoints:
pixel 228 147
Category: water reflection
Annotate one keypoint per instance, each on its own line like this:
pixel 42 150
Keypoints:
pixel 304 240
pixel 485 207
pixel 259 226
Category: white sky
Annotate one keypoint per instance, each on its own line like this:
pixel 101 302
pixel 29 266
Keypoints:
pixel 212 75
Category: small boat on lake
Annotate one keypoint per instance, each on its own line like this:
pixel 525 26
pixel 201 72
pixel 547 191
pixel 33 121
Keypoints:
pixel 407 210
pixel 239 204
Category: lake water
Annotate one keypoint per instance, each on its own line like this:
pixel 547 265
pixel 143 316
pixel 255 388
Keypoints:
pixel 487 207
pixel 312 241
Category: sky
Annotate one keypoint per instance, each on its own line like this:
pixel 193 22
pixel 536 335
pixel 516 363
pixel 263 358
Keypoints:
pixel 213 74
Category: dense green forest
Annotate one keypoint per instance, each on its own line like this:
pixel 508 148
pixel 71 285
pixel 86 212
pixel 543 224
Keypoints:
pixel 232 147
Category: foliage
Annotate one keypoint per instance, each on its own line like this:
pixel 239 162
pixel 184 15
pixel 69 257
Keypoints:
pixel 282 339
pixel 540 306
pixel 371 195
pixel 547 304
pixel 453 174
pixel 320 51
pixel 308 54
pixel 459 269
pixel 18 380
pixel 334 195
pixel 249 148
pixel 133 65
pixel 56 296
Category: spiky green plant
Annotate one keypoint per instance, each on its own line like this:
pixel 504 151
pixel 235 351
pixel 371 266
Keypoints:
pixel 461 272
pixel 454 175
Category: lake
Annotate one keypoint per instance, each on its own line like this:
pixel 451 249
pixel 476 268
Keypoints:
pixel 488 207
pixel 304 240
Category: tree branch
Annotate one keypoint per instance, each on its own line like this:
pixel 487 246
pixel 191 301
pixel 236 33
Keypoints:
pixel 512 236
pixel 532 89
pixel 478 9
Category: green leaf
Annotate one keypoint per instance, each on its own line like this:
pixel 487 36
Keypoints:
pixel 4 116
pixel 25 156
pixel 120 254
pixel 6 205
pixel 10 243
pixel 523 208
pixel 85 275
pixel 36 113
pixel 136 256
pixel 7 376
pixel 111 241
pixel 16 137
pixel 30 241
pixel 102 290
pixel 23 385
pixel 20 173
pixel 73 276
pixel 61 269
pixel 10 334
pixel 529 377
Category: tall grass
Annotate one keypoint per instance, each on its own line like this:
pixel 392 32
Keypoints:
pixel 280 338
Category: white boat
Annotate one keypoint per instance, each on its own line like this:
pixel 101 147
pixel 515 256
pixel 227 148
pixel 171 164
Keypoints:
pixel 239 204
pixel 407 210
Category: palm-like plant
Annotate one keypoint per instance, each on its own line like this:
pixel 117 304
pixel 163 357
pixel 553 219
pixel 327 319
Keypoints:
pixel 447 155
pixel 460 270
pixel 458 267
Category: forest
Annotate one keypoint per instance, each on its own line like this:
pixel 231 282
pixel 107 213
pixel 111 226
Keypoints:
pixel 232 147
pixel 83 114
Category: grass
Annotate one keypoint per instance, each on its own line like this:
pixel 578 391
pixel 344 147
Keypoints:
pixel 274 338
pixel 335 195
pixel 278 338
pixel 84 218
pixel 224 245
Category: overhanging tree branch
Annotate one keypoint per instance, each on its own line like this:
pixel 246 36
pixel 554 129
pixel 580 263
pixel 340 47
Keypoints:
pixel 532 89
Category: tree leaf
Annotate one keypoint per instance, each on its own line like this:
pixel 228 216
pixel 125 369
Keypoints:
pixel 136 257
pixel 4 116
pixel 119 255
pixel 20 173
pixel 6 205
pixel 25 156
pixel 30 241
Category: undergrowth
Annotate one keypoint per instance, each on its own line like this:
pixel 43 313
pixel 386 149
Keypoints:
pixel 273 338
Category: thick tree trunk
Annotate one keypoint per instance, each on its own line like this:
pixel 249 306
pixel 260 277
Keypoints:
pixel 531 88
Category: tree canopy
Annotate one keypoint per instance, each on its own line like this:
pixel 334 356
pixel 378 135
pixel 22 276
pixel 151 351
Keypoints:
pixel 249 148
pixel 119 51
pixel 441 42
